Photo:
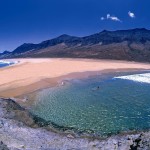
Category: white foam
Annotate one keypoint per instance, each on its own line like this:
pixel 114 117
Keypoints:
pixel 8 62
pixel 143 78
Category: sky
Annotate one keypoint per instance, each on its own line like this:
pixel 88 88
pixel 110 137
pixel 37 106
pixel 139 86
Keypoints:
pixel 33 21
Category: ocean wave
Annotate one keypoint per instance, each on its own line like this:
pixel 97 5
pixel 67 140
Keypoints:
pixel 143 78
pixel 8 62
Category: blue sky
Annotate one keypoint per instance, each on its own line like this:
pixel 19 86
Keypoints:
pixel 32 21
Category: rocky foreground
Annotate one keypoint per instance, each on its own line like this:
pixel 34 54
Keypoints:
pixel 18 131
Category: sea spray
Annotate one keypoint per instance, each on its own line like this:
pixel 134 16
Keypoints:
pixel 143 78
pixel 5 63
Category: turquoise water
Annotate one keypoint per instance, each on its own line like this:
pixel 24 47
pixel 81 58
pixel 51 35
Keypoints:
pixel 117 105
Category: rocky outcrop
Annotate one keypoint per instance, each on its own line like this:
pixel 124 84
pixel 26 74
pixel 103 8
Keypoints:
pixel 3 146
pixel 18 131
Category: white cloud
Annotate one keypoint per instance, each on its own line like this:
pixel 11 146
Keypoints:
pixel 131 14
pixel 114 18
pixel 109 17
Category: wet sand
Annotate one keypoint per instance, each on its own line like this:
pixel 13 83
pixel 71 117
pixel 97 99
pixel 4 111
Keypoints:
pixel 34 74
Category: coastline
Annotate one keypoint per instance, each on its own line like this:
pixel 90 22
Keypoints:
pixel 58 139
pixel 31 75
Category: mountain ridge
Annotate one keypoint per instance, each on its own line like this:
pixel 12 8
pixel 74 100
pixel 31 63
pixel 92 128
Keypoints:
pixel 132 44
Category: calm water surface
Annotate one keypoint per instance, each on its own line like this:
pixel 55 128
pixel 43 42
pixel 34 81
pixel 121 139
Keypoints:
pixel 3 65
pixel 118 105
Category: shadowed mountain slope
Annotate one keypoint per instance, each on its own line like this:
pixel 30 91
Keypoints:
pixel 133 45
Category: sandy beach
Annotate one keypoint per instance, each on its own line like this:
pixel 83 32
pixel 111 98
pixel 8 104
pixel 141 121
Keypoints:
pixel 33 74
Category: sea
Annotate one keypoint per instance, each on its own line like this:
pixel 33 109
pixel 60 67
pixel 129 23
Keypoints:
pixel 5 63
pixel 99 105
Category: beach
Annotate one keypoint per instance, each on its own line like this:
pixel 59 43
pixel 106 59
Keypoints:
pixel 22 129
pixel 30 75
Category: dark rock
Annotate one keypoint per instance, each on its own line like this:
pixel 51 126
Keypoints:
pixel 3 146
pixel 16 112
pixel 1 123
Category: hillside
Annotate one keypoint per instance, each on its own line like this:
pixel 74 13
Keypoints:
pixel 133 45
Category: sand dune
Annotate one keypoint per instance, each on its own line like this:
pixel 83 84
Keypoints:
pixel 33 74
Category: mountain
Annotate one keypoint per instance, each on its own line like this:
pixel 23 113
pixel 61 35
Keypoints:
pixel 133 45
pixel 5 54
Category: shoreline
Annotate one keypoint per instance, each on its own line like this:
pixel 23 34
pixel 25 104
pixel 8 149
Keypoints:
pixel 123 140
pixel 84 133
pixel 52 127
pixel 54 82
pixel 30 75
pixel 21 92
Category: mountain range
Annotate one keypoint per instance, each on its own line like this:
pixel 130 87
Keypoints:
pixel 133 45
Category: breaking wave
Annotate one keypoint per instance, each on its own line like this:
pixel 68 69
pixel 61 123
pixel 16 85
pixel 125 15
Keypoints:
pixel 8 62
pixel 143 78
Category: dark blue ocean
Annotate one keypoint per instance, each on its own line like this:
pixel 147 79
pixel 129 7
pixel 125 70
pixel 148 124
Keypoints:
pixel 102 105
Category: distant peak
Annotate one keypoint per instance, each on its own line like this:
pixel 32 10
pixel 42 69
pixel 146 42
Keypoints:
pixel 6 51
pixel 105 31
pixel 141 29
pixel 64 36
pixel 24 44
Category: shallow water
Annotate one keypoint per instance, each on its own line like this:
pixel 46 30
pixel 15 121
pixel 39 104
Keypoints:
pixel 117 105
pixel 6 63
pixel 3 65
